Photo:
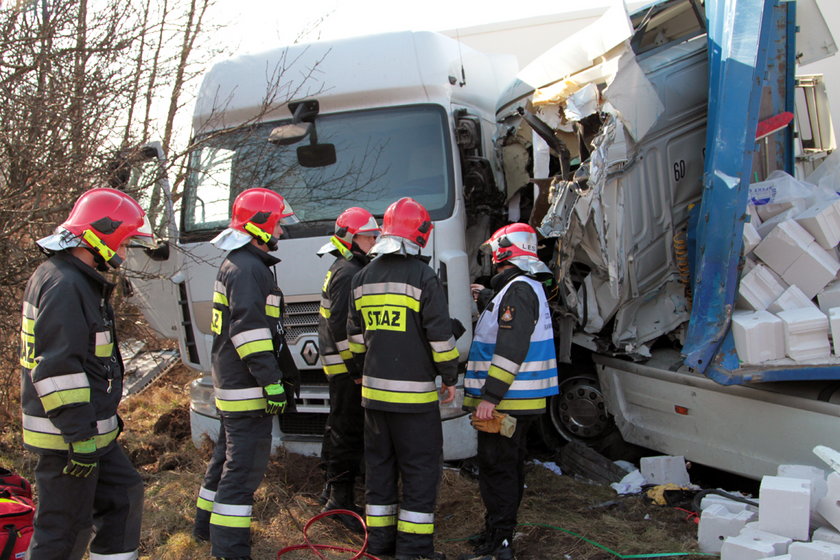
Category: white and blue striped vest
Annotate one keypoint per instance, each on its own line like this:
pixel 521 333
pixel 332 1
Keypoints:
pixel 535 379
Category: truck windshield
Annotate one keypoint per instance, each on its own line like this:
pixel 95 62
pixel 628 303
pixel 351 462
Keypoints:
pixel 382 155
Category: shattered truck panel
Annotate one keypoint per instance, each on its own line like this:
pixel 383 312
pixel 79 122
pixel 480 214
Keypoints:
pixel 625 136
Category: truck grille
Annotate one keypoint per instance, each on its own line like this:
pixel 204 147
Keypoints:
pixel 306 423
pixel 299 319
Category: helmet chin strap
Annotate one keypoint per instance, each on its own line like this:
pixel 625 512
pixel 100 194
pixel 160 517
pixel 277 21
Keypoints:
pixel 101 251
pixel 262 236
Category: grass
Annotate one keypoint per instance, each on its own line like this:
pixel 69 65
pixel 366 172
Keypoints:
pixel 157 439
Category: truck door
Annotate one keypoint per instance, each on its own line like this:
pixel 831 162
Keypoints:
pixel 150 274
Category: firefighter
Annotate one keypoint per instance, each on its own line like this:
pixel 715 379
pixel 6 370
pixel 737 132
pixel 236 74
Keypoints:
pixel 399 326
pixel 72 379
pixel 512 369
pixel 356 231
pixel 247 378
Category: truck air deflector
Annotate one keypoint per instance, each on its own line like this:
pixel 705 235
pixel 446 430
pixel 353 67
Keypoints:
pixel 739 36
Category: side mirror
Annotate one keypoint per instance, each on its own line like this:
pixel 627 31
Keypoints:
pixel 288 134
pixel 316 155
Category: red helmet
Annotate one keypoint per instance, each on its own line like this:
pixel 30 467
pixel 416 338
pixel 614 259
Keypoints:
pixel 355 221
pixel 258 211
pixel 104 218
pixel 512 242
pixel 408 219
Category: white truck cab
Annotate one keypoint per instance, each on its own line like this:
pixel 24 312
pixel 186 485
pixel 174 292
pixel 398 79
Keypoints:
pixel 387 116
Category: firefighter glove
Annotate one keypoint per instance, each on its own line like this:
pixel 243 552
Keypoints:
pixel 81 460
pixel 500 423
pixel 275 398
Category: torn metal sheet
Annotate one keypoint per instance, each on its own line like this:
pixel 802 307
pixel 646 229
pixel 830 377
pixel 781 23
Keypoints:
pixel 634 97
pixel 582 103
pixel 580 50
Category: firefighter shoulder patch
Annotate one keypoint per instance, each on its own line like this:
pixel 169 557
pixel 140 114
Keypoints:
pixel 507 314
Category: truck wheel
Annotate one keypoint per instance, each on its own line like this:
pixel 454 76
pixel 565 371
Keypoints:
pixel 579 412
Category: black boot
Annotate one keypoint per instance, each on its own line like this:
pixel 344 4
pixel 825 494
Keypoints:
pixel 341 497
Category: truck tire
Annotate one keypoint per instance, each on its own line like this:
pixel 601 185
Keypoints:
pixel 579 413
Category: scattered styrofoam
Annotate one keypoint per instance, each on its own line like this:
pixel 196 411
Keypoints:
pixel 751 238
pixel 814 551
pixel 759 288
pixel 834 325
pixel 783 245
pixel 829 506
pixel 664 469
pixel 791 298
pixel 717 523
pixel 806 334
pixel 826 534
pixel 813 270
pixel 754 218
pixel 768 211
pixel 815 474
pixel 822 220
pixel 784 506
pixel 759 336
pixel 787 216
pixel 829 296
pixel 752 544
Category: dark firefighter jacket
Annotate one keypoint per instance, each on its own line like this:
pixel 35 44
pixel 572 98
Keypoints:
pixel 336 357
pixel 248 331
pixel 400 322
pixel 72 371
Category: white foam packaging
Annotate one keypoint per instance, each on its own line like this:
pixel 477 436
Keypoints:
pixel 813 270
pixel 759 288
pixel 759 336
pixel 829 296
pixel 751 238
pixel 834 325
pixel 806 333
pixel 783 245
pixel 791 298
pixel 822 220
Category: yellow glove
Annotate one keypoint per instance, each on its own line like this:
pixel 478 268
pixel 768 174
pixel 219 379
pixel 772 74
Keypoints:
pixel 500 423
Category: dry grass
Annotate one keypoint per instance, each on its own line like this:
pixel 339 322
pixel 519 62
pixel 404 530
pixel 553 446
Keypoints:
pixel 157 439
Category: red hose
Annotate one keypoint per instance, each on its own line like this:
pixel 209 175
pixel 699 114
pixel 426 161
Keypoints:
pixel 316 547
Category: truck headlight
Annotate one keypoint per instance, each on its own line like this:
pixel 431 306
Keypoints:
pixel 202 397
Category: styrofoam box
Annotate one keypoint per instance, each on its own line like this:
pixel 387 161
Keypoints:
pixel 806 333
pixel 822 220
pixel 752 212
pixel 787 216
pixel 829 296
pixel 751 238
pixel 759 288
pixel 767 211
pixel 759 336
pixel 783 245
pixel 813 270
pixel 834 324
pixel 791 298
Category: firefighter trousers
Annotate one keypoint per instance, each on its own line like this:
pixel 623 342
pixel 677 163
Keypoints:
pixel 501 476
pixel 407 448
pixel 239 462
pixel 107 504
pixel 343 447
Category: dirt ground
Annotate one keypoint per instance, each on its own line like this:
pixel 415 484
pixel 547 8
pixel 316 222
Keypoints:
pixel 561 516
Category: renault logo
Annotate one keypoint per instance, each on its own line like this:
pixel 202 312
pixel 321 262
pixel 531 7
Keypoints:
pixel 309 353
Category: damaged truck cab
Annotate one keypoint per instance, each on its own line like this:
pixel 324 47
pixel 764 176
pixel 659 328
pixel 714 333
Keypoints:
pixel 640 133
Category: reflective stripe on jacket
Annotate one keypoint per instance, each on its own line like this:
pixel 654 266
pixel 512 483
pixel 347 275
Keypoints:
pixel 333 344
pixel 399 322
pixel 72 371
pixel 518 375
pixel 247 327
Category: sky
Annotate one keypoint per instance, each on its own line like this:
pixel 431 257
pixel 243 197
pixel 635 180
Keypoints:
pixel 257 25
